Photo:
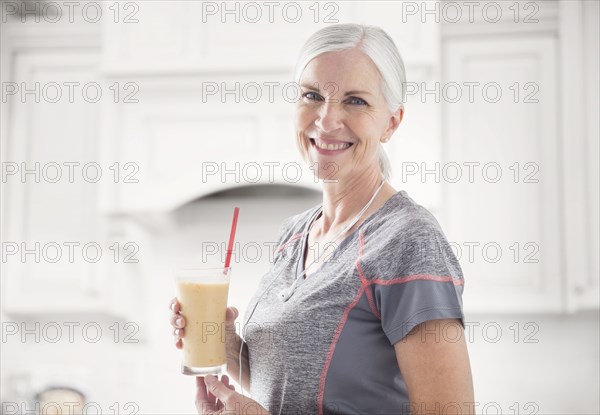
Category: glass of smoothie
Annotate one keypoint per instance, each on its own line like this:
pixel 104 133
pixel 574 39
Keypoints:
pixel 202 295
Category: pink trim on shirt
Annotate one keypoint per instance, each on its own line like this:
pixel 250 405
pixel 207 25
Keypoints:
pixel 401 280
pixel 364 288
pixel 365 283
pixel 289 241
pixel 338 331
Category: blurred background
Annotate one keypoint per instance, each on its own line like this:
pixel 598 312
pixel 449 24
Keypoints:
pixel 130 130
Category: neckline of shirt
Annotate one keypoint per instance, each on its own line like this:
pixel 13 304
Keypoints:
pixel 345 241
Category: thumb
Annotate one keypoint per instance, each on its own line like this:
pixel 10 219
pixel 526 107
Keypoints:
pixel 231 315
pixel 218 389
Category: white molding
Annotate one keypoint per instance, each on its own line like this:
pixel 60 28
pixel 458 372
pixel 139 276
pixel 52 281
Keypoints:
pixel 591 65
pixel 45 35
pixel 575 223
pixel 529 18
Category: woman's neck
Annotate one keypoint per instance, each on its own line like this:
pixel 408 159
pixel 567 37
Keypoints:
pixel 342 201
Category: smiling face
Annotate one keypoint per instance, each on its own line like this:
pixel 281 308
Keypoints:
pixel 342 115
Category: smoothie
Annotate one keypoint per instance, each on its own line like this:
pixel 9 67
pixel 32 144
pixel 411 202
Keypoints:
pixel 203 302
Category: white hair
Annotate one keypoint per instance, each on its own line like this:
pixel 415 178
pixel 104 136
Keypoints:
pixel 378 46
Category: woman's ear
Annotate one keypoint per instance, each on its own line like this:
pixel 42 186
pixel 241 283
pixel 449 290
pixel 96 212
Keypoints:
pixel 395 121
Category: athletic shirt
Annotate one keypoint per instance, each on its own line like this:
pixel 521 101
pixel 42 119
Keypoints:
pixel 329 349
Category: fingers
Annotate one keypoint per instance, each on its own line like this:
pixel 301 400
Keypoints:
pixel 225 380
pixel 232 314
pixel 221 391
pixel 177 321
pixel 201 394
pixel 175 306
pixel 212 395
pixel 178 343
pixel 177 336
pixel 205 401
pixel 213 398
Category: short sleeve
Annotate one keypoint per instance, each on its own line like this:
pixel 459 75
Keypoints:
pixel 419 279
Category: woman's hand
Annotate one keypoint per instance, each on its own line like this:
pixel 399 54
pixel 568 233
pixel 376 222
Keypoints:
pixel 214 396
pixel 233 342
pixel 178 323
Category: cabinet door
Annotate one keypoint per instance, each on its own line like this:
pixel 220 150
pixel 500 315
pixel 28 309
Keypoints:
pixel 501 136
pixel 51 247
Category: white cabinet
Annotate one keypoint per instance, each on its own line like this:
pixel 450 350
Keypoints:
pixel 60 255
pixel 50 207
pixel 522 137
pixel 503 213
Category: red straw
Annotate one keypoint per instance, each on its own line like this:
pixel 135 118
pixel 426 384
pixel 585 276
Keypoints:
pixel 236 211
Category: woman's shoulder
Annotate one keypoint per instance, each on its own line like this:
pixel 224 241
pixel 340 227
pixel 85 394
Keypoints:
pixel 406 239
pixel 401 215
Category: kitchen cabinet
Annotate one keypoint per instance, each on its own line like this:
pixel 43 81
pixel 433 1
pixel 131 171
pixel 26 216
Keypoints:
pixel 519 185
pixel 51 229
pixel 502 179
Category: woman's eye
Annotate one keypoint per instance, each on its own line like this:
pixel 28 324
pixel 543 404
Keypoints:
pixel 313 96
pixel 357 101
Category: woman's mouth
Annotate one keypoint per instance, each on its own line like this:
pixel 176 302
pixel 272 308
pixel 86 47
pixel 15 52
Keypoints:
pixel 329 148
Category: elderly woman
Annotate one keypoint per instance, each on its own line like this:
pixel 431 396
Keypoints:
pixel 361 311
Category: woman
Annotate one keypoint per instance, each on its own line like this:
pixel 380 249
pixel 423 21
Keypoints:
pixel 374 325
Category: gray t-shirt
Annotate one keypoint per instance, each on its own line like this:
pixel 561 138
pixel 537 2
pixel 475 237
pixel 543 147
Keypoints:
pixel 330 348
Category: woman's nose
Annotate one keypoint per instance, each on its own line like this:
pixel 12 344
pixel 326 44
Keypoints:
pixel 330 117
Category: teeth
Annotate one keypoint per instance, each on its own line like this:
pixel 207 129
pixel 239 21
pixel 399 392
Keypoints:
pixel 325 146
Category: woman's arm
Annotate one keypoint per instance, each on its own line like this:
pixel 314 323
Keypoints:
pixel 436 368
